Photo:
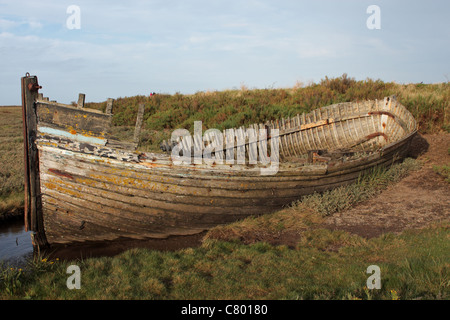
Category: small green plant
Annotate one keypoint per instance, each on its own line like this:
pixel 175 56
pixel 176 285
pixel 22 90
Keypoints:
pixel 10 279
pixel 446 127
pixel 394 295
pixel 444 171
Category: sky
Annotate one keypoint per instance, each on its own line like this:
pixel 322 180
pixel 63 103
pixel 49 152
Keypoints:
pixel 111 49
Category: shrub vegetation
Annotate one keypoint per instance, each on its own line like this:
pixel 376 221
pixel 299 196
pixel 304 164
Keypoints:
pixel 429 103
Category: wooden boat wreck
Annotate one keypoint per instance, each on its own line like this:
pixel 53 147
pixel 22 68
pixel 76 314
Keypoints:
pixel 82 185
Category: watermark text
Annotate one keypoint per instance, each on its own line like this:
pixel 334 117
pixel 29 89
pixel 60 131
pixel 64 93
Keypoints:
pixel 233 146
pixel 374 20
pixel 74 20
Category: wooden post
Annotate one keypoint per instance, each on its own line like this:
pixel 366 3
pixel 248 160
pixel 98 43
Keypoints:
pixel 81 98
pixel 27 197
pixel 139 119
pixel 33 201
pixel 109 106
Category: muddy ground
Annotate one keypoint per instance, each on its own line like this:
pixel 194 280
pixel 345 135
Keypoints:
pixel 416 201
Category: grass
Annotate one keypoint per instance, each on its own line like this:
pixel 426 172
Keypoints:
pixel 444 171
pixel 414 265
pixel 11 160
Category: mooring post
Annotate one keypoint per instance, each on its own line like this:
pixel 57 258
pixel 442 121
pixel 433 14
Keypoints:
pixel 81 98
pixel 27 197
pixel 109 106
pixel 139 119
pixel 33 201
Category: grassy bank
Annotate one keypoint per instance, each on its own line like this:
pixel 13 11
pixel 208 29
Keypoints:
pixel 324 265
pixel 429 103
pixel 11 160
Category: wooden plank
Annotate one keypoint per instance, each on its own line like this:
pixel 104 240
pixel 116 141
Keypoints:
pixel 202 171
pixel 43 130
pixel 170 181
pixel 74 222
pixel 253 146
pixel 101 154
pixel 64 226
pixel 155 199
pixel 140 203
pixel 146 184
pixel 83 121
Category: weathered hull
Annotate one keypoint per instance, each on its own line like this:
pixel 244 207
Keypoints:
pixel 90 191
pixel 90 198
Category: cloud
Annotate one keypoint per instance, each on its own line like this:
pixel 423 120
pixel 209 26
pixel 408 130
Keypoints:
pixel 8 24
pixel 127 47
pixel 12 24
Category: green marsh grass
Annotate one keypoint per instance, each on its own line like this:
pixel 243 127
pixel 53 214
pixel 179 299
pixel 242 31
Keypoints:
pixel 414 265
pixel 11 159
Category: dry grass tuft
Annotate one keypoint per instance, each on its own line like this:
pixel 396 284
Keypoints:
pixel 289 222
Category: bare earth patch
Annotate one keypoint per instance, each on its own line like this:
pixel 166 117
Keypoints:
pixel 416 201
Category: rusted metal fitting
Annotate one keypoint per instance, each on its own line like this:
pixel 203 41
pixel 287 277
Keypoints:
pixel 34 87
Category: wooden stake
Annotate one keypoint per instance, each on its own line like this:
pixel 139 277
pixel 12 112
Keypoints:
pixel 81 98
pixel 34 213
pixel 139 119
pixel 109 106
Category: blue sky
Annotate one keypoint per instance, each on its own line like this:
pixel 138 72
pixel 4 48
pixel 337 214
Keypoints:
pixel 126 48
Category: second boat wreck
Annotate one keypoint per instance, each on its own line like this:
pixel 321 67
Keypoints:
pixel 82 185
